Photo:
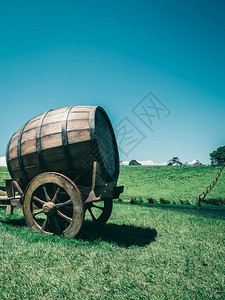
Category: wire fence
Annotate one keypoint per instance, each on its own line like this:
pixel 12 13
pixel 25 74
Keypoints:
pixel 210 187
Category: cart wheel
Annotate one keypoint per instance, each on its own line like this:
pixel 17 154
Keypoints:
pixel 98 212
pixel 53 205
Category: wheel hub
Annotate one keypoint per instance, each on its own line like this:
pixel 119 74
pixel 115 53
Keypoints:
pixel 49 208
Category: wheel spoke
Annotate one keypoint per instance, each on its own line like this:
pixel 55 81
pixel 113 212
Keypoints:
pixel 39 200
pixel 91 213
pixel 56 194
pixel 37 212
pixel 46 194
pixel 58 229
pixel 45 223
pixel 63 203
pixel 68 219
pixel 99 207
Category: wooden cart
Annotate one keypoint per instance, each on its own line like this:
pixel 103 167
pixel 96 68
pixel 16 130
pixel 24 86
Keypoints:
pixel 64 165
pixel 53 204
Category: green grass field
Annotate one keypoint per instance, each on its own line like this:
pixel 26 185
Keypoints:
pixel 179 184
pixel 141 253
pixel 165 184
pixel 3 175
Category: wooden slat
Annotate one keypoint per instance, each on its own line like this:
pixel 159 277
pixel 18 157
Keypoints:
pixel 57 111
pixel 57 153
pixel 81 149
pixel 51 141
pixel 77 125
pixel 51 128
pixel 32 124
pixel 12 153
pixel 78 116
pixel 13 144
pixel 28 147
pixel 30 159
pixel 32 171
pixel 35 118
pixel 17 174
pixel 52 118
pixel 57 166
pixel 78 108
pixel 78 136
pixel 15 136
pixel 14 163
pixel 28 135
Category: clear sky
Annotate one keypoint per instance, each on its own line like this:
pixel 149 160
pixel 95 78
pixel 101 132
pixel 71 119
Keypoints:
pixel 112 54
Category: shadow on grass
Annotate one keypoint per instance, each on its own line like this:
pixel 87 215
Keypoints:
pixel 122 235
pixel 14 222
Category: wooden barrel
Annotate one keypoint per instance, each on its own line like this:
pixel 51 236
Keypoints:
pixel 66 140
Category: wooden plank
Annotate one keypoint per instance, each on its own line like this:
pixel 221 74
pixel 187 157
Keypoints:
pixel 57 111
pixel 13 201
pixel 14 163
pixel 51 128
pixel 83 148
pixel 32 171
pixel 31 124
pixel 12 153
pixel 13 143
pixel 28 147
pixel 28 135
pixel 51 141
pixel 17 174
pixel 78 116
pixel 77 136
pixel 15 135
pixel 59 166
pixel 18 188
pixel 55 154
pixel 35 119
pixel 80 108
pixel 52 118
pixel 77 124
pixel 31 159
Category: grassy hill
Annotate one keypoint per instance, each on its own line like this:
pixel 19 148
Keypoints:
pixel 172 184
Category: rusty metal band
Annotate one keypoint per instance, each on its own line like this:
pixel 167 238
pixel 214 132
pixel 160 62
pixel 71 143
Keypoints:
pixel 38 143
pixel 65 143
pixel 20 159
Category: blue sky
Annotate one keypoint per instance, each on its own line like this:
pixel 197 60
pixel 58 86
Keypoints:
pixel 112 54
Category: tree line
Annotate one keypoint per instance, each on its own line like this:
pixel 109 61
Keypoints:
pixel 217 158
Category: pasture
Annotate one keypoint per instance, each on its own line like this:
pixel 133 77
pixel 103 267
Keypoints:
pixel 141 253
pixel 171 184
pixel 165 184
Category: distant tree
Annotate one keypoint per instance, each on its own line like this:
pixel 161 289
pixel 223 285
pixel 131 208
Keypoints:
pixel 197 163
pixel 174 161
pixel 133 162
pixel 218 156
